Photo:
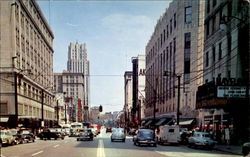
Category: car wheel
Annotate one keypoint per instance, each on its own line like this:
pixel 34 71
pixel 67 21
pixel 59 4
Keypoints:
pixel 134 143
pixel 123 140
pixel 112 140
pixel 138 144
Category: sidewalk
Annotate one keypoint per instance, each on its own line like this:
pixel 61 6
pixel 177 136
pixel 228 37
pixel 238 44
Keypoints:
pixel 234 149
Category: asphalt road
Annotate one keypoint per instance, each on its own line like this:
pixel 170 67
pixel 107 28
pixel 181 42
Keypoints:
pixel 102 147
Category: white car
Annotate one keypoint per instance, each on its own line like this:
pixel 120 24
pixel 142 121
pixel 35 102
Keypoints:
pixel 201 139
pixel 118 134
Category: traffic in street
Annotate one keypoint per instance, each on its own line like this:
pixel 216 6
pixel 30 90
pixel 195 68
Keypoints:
pixel 102 146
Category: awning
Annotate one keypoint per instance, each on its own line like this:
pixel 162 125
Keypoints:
pixel 4 119
pixel 186 122
pixel 148 123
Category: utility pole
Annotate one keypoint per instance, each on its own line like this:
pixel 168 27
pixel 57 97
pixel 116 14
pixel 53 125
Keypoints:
pixel 178 101
pixel 42 123
pixel 16 100
pixel 65 113
pixel 57 109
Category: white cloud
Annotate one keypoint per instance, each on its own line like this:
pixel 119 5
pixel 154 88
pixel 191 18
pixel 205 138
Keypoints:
pixel 72 25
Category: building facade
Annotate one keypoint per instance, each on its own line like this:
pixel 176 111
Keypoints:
pixel 175 49
pixel 128 96
pixel 226 80
pixel 78 63
pixel 138 89
pixel 72 86
pixel 26 65
pixel 94 116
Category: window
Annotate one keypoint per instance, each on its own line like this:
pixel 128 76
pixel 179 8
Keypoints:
pixel 213 24
pixel 167 31
pixel 188 14
pixel 208 6
pixel 170 26
pixel 213 54
pixel 207 29
pixel 187 43
pixel 164 35
pixel 214 2
pixel 3 108
pixel 174 20
pixel 207 59
pixel 220 51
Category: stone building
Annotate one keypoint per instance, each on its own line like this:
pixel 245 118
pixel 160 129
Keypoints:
pixel 128 96
pixel 222 101
pixel 72 86
pixel 26 65
pixel 175 49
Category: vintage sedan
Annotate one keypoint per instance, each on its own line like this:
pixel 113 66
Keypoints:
pixel 145 137
pixel 7 138
pixel 49 134
pixel 118 134
pixel 201 139
pixel 85 135
pixel 19 138
pixel 246 149
pixel 28 136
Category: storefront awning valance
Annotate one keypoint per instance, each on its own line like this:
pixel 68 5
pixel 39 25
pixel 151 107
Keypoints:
pixel 4 119
pixel 148 123
pixel 186 122
pixel 163 121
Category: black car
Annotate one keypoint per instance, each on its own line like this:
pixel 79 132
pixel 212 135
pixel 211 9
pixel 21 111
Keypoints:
pixel 50 134
pixel 146 137
pixel 28 136
pixel 86 135
pixel 18 136
pixel 108 129
pixel 246 149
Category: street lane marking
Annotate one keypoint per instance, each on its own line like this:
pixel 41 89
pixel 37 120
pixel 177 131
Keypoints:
pixel 100 149
pixel 56 145
pixel 37 153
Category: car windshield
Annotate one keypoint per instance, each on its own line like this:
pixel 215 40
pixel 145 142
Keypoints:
pixel 26 132
pixel 118 130
pixel 205 135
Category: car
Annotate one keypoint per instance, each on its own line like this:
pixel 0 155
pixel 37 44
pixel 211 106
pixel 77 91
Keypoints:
pixel 7 138
pixel 169 134
pixel 145 137
pixel 49 134
pixel 28 136
pixel 108 129
pixel 246 149
pixel 86 135
pixel 94 131
pixel 118 134
pixel 201 139
pixel 19 138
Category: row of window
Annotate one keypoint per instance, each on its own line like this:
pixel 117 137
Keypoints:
pixel 28 110
pixel 212 55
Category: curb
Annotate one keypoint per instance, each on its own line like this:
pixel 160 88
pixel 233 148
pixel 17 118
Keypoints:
pixel 227 151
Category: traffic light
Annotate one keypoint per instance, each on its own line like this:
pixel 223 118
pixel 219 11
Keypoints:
pixel 100 108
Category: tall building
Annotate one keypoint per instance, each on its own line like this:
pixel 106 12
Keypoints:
pixel 138 88
pixel 72 86
pixel 222 100
pixel 175 49
pixel 128 96
pixel 26 65
pixel 78 63
pixel 94 116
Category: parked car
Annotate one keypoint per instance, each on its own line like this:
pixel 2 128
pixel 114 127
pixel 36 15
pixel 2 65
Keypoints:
pixel 169 134
pixel 246 149
pixel 118 134
pixel 49 134
pixel 145 136
pixel 201 139
pixel 6 137
pixel 28 136
pixel 85 135
pixel 108 129
pixel 132 132
pixel 19 138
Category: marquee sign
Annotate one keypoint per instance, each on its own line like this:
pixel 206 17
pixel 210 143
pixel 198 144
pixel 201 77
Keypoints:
pixel 231 91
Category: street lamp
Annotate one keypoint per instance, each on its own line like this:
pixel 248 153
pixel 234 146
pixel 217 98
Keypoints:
pixel 166 73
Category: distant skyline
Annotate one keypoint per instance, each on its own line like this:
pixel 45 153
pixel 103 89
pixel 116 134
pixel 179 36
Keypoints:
pixel 114 31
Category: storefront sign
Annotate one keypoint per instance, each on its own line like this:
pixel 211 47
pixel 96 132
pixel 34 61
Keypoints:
pixel 231 91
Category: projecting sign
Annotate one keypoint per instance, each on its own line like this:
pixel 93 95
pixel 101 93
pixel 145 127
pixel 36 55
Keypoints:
pixel 231 91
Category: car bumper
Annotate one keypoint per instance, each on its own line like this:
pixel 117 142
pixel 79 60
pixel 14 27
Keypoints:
pixel 147 142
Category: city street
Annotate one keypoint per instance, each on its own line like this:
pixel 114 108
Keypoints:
pixel 102 147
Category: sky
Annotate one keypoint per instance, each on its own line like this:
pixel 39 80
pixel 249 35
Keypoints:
pixel 114 31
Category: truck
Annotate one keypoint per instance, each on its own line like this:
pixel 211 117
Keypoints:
pixel 169 134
